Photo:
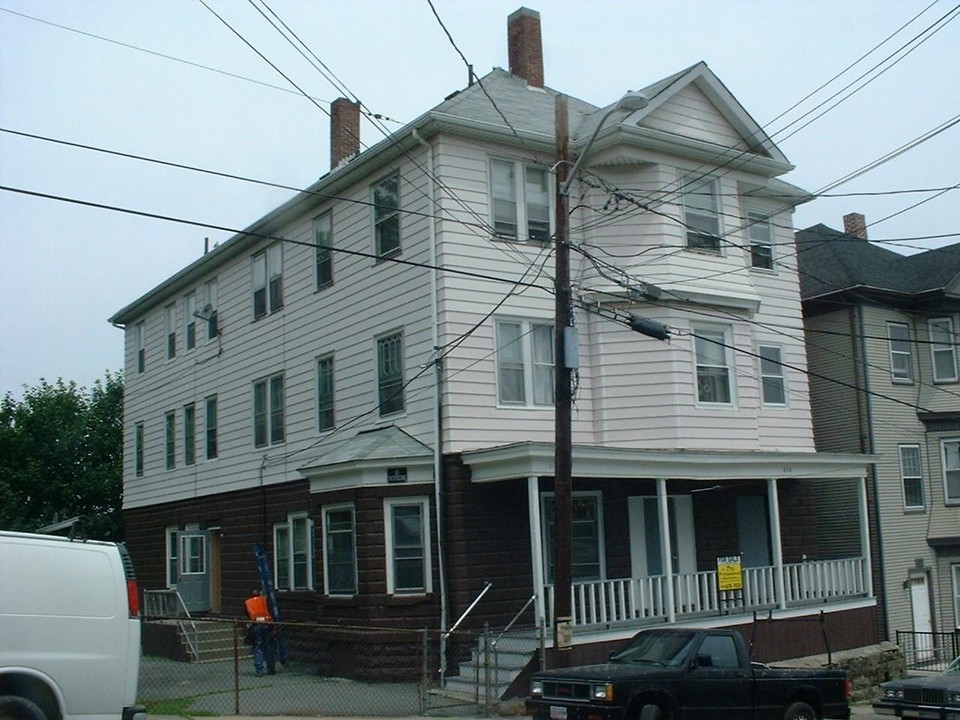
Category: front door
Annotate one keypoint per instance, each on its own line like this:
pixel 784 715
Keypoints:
pixel 646 536
pixel 922 618
pixel 753 531
pixel 193 582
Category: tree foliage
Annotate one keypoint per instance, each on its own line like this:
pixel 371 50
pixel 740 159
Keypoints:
pixel 61 456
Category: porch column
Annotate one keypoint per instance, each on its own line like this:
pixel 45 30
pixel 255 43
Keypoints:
pixel 666 550
pixel 865 536
pixel 536 550
pixel 773 501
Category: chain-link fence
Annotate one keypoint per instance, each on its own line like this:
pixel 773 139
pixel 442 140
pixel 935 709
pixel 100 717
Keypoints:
pixel 197 667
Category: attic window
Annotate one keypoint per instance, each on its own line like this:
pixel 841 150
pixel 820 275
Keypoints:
pixel 396 475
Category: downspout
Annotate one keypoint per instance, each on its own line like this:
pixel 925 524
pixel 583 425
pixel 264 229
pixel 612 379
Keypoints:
pixel 867 437
pixel 437 425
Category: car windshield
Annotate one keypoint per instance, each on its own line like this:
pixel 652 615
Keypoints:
pixel 953 668
pixel 667 649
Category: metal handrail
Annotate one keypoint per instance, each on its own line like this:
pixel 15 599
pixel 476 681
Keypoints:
pixel 170 604
pixel 466 612
pixel 513 622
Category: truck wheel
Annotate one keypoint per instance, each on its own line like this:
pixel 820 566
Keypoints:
pixel 17 708
pixel 651 712
pixel 800 711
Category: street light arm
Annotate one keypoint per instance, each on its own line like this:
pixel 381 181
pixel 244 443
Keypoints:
pixel 630 102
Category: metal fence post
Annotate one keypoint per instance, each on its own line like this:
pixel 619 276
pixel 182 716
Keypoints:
pixel 425 670
pixel 486 669
pixel 236 669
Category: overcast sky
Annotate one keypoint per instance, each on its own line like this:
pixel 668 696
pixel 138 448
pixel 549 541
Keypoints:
pixel 168 80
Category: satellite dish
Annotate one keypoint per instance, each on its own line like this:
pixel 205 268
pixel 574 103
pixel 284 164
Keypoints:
pixel 205 313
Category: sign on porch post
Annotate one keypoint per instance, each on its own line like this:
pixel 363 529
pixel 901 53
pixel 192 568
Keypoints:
pixel 729 573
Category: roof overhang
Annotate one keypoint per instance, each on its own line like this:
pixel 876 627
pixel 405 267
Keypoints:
pixel 532 459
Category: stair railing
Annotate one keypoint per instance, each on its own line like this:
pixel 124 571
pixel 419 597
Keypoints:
pixel 446 635
pixel 496 651
pixel 168 604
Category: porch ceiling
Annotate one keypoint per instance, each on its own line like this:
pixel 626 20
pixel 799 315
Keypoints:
pixel 527 459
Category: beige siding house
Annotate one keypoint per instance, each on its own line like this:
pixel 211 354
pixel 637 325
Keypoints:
pixel 363 381
pixel 882 343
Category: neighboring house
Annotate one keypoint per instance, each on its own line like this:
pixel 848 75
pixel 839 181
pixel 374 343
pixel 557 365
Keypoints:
pixel 363 381
pixel 882 344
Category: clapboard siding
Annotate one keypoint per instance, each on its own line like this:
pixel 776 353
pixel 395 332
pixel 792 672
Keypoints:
pixel 690 113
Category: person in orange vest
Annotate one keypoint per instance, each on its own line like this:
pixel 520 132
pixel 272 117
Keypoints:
pixel 263 632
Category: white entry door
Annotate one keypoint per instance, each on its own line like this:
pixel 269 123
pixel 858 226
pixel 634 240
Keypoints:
pixel 922 619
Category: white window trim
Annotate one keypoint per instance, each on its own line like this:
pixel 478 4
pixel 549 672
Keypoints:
pixel 729 359
pixel 139 449
pixel 171 539
pixel 943 465
pixel 324 218
pixel 170 331
pixel 755 218
pixel 900 380
pixel 189 321
pixel 326 575
pixel 191 537
pixel 685 180
pixel 782 376
pixel 601 540
pixel 395 213
pixel 268 383
pixel 520 200
pixel 950 348
pixel 333 393
pixel 212 318
pixel 904 477
pixel 170 440
pixel 289 582
pixel 140 352
pixel 527 351
pixel 388 505
pixel 955 574
pixel 215 399
pixel 403 373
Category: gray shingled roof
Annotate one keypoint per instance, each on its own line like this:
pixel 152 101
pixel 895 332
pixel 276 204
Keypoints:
pixel 831 262
pixel 388 443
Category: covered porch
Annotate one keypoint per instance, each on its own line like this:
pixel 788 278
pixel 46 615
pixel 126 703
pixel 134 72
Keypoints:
pixel 653 528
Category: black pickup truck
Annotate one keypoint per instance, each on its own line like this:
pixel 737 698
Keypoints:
pixel 683 674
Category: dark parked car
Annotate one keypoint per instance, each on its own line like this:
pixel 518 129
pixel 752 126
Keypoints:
pixel 692 674
pixel 937 697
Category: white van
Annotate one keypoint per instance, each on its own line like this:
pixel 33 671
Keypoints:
pixel 69 630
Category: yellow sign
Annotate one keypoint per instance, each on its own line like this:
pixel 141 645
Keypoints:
pixel 729 573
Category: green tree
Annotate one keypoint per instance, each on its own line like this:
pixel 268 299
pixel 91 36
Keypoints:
pixel 61 456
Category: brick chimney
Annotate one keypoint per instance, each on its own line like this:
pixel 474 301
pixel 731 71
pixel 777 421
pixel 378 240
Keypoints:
pixel 855 225
pixel 524 46
pixel 344 131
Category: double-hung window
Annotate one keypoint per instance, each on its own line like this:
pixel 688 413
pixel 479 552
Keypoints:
pixel 210 427
pixel 140 333
pixel 340 550
pixel 911 474
pixel 172 541
pixel 760 232
pixel 170 329
pixel 586 536
pixel 325 417
pixel 189 434
pixel 713 365
pixel 189 321
pixel 293 553
pixel 390 374
pixel 386 216
pixel 520 201
pixel 407 523
pixel 170 437
pixel 943 350
pixel 701 213
pixel 901 361
pixel 268 280
pixel 950 453
pixel 210 308
pixel 323 240
pixel 138 449
pixel 268 411
pixel 773 380
pixel 525 364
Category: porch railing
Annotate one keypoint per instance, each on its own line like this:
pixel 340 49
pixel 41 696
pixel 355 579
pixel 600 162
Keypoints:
pixel 630 599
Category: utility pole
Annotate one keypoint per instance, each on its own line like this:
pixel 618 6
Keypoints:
pixel 563 355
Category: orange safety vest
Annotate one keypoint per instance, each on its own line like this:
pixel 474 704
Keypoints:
pixel 257 609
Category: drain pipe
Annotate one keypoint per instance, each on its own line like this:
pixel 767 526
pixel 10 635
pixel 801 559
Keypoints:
pixel 437 428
